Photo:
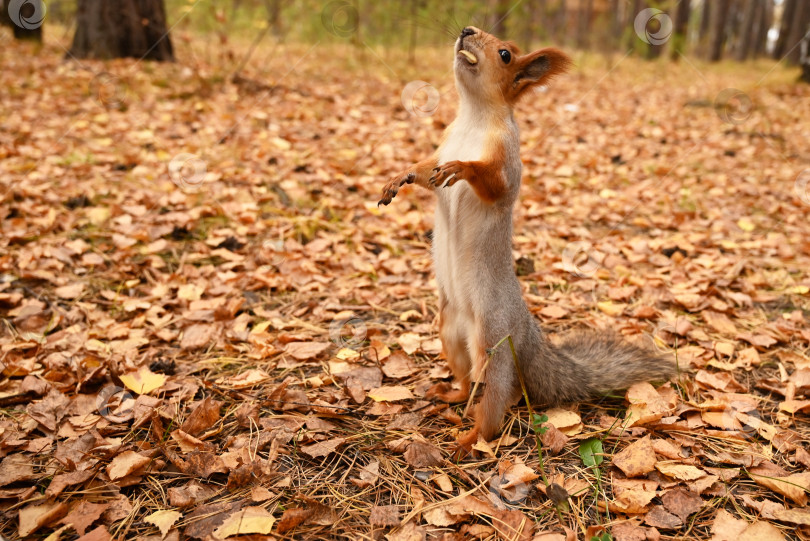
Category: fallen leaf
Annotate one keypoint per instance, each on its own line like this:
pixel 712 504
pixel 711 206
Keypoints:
pixel 35 516
pixel 423 455
pixel 323 448
pixel 637 459
pixel 125 464
pixel 793 486
pixel 390 394
pixel 250 520
pixel 163 519
pixel 384 515
pixel 304 351
pixel 144 381
pixel 682 472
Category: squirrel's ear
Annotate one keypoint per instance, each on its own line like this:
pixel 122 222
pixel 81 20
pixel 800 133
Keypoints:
pixel 538 68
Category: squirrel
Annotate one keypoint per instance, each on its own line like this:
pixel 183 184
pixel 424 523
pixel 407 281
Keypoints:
pixel 476 173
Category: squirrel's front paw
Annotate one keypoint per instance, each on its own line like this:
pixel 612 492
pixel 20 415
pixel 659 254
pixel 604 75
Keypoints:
pixel 446 175
pixel 390 190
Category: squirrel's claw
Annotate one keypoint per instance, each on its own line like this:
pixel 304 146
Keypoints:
pixel 445 175
pixel 392 188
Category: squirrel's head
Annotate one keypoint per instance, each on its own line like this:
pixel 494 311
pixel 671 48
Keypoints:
pixel 495 71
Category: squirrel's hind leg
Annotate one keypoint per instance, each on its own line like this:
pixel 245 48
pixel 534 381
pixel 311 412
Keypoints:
pixel 501 391
pixel 454 347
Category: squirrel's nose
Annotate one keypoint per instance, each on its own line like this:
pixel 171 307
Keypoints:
pixel 469 31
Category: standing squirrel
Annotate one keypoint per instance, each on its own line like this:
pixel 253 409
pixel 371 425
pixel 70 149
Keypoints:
pixel 480 298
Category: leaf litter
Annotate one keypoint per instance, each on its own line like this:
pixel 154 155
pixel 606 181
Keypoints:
pixel 246 353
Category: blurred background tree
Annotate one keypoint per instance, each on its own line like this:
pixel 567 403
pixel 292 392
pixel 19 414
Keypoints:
pixel 712 29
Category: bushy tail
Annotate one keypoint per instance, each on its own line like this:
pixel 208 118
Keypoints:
pixel 588 364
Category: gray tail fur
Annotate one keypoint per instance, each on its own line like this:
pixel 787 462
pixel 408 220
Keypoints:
pixel 589 364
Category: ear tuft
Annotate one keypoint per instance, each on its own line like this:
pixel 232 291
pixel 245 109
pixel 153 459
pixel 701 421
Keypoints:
pixel 538 68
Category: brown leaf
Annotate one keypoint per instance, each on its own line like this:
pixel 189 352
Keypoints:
pixel 794 516
pixel 304 351
pixel 390 394
pixel 191 493
pixel 50 410
pixel 793 486
pixel 35 516
pixel 683 472
pixel 408 532
pixel 384 515
pixel 99 534
pixel 125 464
pixel 637 459
pixel 83 515
pixel 323 448
pixel 727 528
pixel 16 467
pixel 206 518
pixel 398 366
pixel 682 502
pixel 659 518
pixel 553 439
pixel 202 417
pixel 198 336
pixel 423 455
pixel 63 480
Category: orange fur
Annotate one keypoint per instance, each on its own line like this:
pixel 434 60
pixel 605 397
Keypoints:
pixel 485 177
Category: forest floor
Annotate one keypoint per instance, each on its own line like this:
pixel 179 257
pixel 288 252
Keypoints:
pixel 210 330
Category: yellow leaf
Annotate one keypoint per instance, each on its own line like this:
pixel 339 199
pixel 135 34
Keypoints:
pixel 246 521
pixel 746 224
pixel 144 381
pixel 611 308
pixel 679 471
pixel 390 394
pixel 164 520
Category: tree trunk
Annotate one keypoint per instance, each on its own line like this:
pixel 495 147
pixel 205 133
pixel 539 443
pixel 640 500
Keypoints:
pixel 274 11
pixel 532 31
pixel 680 29
pixel 632 38
pixel 134 28
pixel 719 15
pixel 704 30
pixel 412 40
pixel 500 9
pixel 788 14
pixel 763 25
pixel 25 19
pixel 798 28
pixel 746 35
pixel 584 15
pixel 804 57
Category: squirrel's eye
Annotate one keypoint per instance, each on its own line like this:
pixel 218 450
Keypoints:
pixel 506 56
